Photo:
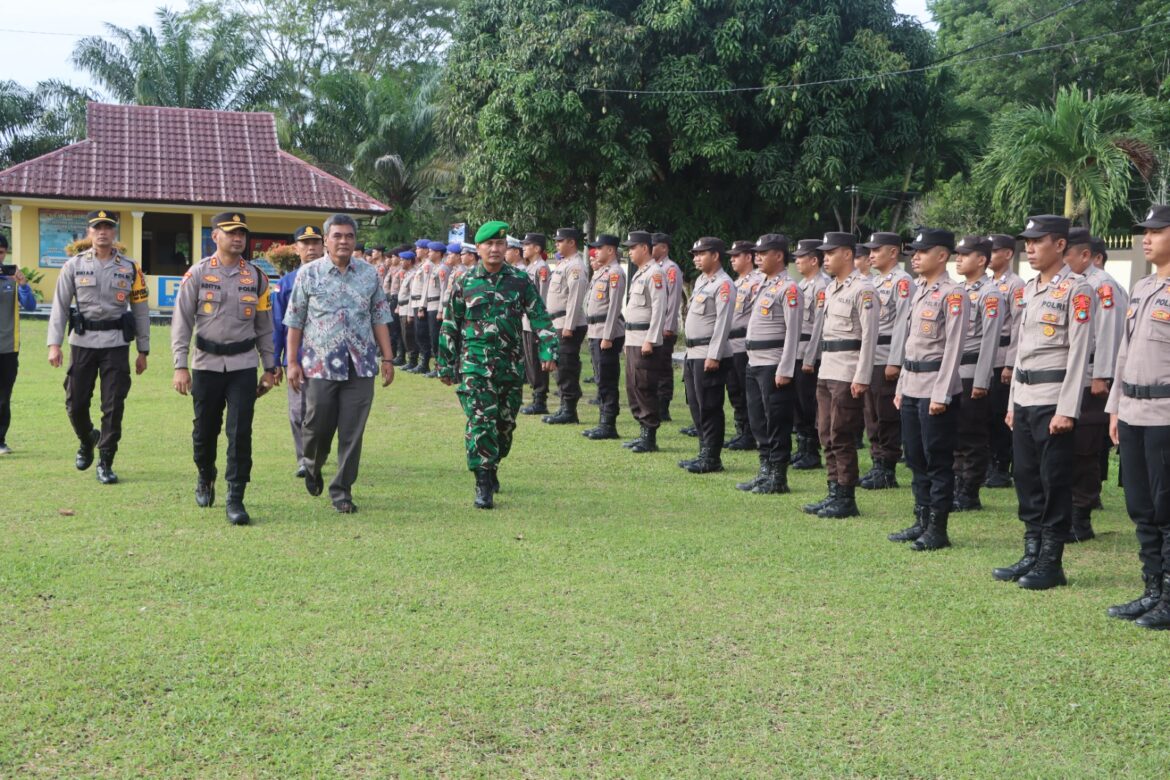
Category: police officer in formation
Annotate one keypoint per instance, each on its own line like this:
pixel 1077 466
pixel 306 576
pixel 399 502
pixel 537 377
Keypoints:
pixel 533 245
pixel 1011 287
pixel 747 287
pixel 673 276
pixel 812 284
pixel 568 286
pixel 606 332
pixel 647 354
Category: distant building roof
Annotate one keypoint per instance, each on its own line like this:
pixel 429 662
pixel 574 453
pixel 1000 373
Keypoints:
pixel 154 154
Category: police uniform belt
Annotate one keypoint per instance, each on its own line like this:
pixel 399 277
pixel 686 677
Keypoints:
pixel 416 297
pixel 238 348
pixel 884 340
pixel 432 299
pixel 1143 392
pixel 842 345
pixel 1047 377
pixel 737 333
pixel 596 318
pixel 552 315
pixel 101 324
pixel 922 366
pixel 1005 341
pixel 637 326
pixel 765 344
pixel 806 337
pixel 969 359
pixel 698 342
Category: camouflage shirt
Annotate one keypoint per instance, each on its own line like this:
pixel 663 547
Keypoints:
pixel 481 328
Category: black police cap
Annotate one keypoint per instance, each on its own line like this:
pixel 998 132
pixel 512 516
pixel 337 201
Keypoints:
pixel 1046 225
pixel 535 238
pixel 1157 217
pixel 974 244
pixel 836 240
pixel 661 238
pixel 605 239
pixel 635 237
pixel 307 232
pixel 770 241
pixel 1002 241
pixel 1079 235
pixel 102 215
pixel 808 246
pixel 928 238
pixel 742 247
pixel 568 233
pixel 883 239
pixel 229 221
pixel 709 244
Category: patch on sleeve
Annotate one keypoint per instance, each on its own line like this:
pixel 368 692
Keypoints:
pixel 955 303
pixel 671 276
pixel 138 292
pixel 1105 294
pixel 1018 296
pixel 1081 307
pixel 791 297
pixel 658 281
pixel 867 300
pixel 613 280
pixel 903 288
pixel 725 292
pixel 544 274
pixel 265 302
pixel 991 307
pixel 821 299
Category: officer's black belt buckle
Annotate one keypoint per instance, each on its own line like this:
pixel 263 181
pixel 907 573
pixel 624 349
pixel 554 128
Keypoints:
pixel 596 318
pixel 698 342
pixel 922 366
pixel 969 359
pixel 885 340
pixel 637 326
pixel 806 337
pixel 842 345
pixel 554 314
pixel 1046 377
pixel 738 333
pixel 1005 341
pixel 765 344
pixel 1145 392
pixel 212 348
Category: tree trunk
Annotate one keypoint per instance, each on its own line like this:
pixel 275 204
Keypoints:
pixel 897 216
pixel 1069 200
pixel 591 210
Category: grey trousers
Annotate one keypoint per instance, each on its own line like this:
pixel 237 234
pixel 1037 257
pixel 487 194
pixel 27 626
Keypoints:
pixel 341 408
pixel 296 419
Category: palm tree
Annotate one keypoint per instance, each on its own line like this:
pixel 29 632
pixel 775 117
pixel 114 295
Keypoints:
pixel 1091 146
pixel 182 64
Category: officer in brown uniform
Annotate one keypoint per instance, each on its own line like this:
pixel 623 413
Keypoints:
pixel 812 282
pixel 1011 287
pixel 606 332
pixel 773 339
pixel 1139 421
pixel 929 389
pixel 533 246
pixel 747 287
pixel 645 317
pixel 392 284
pixel 112 310
pixel 1056 336
pixel 436 284
pixel 660 249
pixel 568 286
pixel 848 343
pixel 708 356
pixel 225 300
pixel 977 370
pixel 406 310
pixel 1091 434
pixel 883 423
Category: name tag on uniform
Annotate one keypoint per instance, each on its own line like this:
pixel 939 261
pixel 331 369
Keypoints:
pixel 928 314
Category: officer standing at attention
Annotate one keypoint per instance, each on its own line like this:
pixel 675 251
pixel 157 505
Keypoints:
pixel 929 390
pixel 773 339
pixel 225 300
pixel 747 286
pixel 660 249
pixel 1056 336
pixel 977 369
pixel 812 283
pixel 14 292
pixel 566 304
pixel 406 312
pixel 883 423
pixel 533 246
pixel 420 282
pixel 708 356
pixel 112 310
pixel 1011 287
pixel 436 283
pixel 310 246
pixel 1109 305
pixel 645 317
pixel 1139 421
pixel 481 340
pixel 391 284
pixel 850 339
pixel 606 332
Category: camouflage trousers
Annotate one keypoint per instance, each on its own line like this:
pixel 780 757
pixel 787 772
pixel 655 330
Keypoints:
pixel 491 407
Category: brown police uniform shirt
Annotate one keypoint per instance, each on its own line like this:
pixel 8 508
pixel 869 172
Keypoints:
pixel 223 304
pixel 895 292
pixel 1143 359
pixel 981 343
pixel 1011 287
pixel 747 287
pixel 773 332
pixel 708 325
pixel 812 321
pixel 566 293
pixel 540 274
pixel 851 321
pixel 934 341
pixel 674 290
pixel 1109 306
pixel 645 310
pixel 103 289
pixel 604 307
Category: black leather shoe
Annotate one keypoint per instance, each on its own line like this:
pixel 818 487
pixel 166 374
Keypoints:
pixel 85 452
pixel 998 477
pixel 345 507
pixel 1023 565
pixel 204 491
pixel 538 406
pixel 301 472
pixel 105 468
pixel 234 507
pixel 314 483
pixel 1142 604
pixel 1081 529
pixel 966 498
pixel 690 430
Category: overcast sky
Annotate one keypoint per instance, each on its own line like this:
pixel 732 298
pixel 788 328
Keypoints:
pixel 38 35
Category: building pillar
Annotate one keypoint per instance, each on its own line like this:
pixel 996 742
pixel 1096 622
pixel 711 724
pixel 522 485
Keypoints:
pixel 135 245
pixel 196 239
pixel 17 249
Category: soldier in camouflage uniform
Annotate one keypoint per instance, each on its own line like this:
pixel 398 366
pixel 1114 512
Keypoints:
pixel 481 339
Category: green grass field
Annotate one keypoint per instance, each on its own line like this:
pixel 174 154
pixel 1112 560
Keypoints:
pixel 613 617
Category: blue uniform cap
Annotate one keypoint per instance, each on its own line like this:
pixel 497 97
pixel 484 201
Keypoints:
pixel 407 255
pixel 454 248
pixel 422 243
pixel 437 246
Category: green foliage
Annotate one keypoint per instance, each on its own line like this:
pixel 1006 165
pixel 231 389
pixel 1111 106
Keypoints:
pixel 965 205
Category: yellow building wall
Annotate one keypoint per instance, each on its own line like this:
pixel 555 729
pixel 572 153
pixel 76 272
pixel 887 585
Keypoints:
pixel 26 249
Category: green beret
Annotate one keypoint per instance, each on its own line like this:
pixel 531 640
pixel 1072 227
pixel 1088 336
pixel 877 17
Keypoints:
pixel 490 230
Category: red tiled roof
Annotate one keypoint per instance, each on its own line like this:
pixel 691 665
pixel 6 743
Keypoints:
pixel 183 155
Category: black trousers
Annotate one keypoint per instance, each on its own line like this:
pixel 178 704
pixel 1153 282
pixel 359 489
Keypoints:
pixel 1145 460
pixel 883 422
pixel 805 416
pixel 1091 438
pixel 409 342
pixel 705 397
pixel 666 370
pixel 422 334
pixel 770 413
pixel 607 363
pixel 537 377
pixel 396 335
pixel 1043 469
pixel 433 331
pixel 999 435
pixel 212 391
pixel 9 363
pixel 973 448
pixel 643 381
pixel 737 389
pixel 569 365
pixel 86 366
pixel 929 443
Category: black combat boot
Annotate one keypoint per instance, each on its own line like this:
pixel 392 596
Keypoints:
pixel 812 509
pixel 1048 571
pixel 812 455
pixel 606 429
pixel 708 462
pixel 1081 529
pixel 85 452
pixel 690 430
pixel 914 531
pixel 236 513
pixel 880 477
pixel 483 489
pixel 776 482
pixel 539 404
pixel 760 476
pixel 399 361
pixel 1143 603
pixel 682 464
pixel 935 535
pixel 205 490
pixel 434 372
pixel 1158 618
pixel 566 415
pixel 743 439
pixel 648 441
pixel 496 480
pixel 844 505
pixel 1024 564
pixel 105 468
pixel 966 497
pixel 998 476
